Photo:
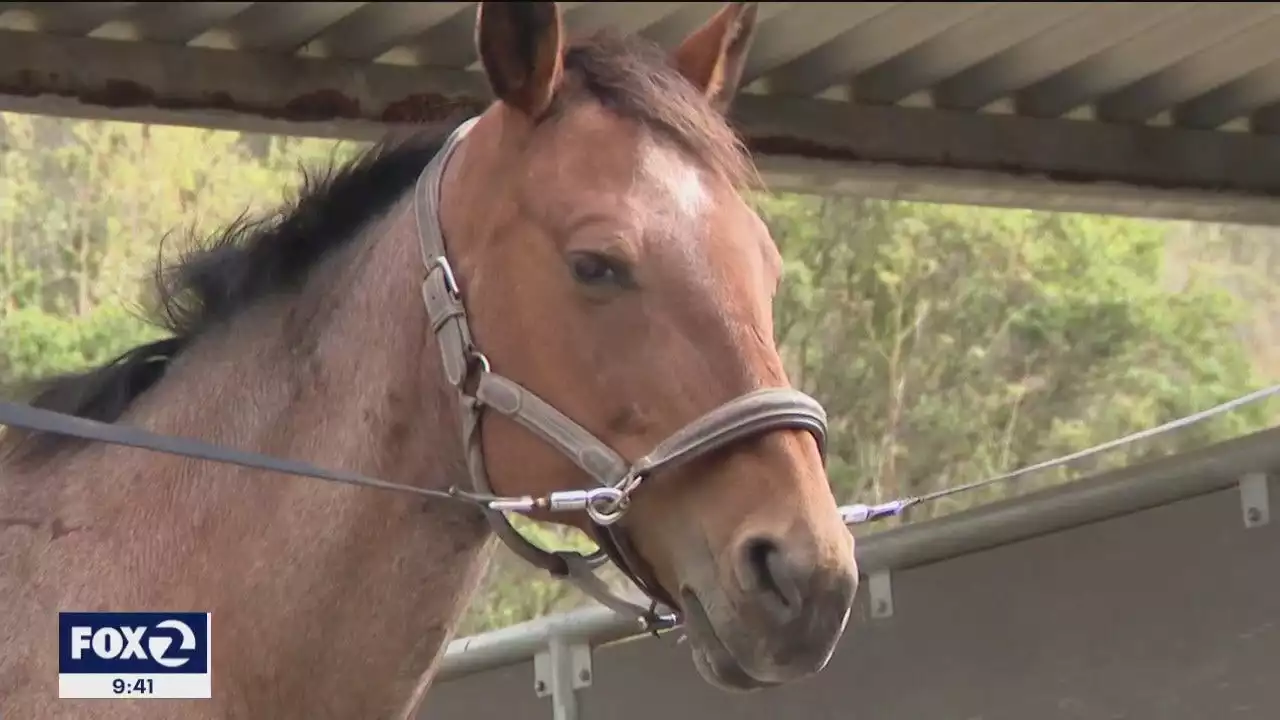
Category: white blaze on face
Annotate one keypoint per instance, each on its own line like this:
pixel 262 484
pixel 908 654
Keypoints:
pixel 682 197
pixel 676 177
pixel 678 199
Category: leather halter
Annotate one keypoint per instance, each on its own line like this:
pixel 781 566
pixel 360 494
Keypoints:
pixel 466 367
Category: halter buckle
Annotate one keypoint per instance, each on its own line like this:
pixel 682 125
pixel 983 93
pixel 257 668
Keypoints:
pixel 479 360
pixel 441 263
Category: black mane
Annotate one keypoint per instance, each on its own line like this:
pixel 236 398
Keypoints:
pixel 242 264
pixel 252 259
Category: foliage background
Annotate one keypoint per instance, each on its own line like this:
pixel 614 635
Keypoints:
pixel 948 343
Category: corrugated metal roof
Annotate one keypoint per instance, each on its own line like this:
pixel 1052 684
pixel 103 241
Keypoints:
pixel 1200 65
pixel 1131 66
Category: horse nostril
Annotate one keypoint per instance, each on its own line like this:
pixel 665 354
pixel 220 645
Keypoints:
pixel 767 573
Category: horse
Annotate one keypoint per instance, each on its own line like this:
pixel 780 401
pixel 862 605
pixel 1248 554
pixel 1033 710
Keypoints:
pixel 598 291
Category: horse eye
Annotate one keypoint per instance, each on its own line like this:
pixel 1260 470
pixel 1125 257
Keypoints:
pixel 594 269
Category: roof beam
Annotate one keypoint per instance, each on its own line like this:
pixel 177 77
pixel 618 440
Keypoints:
pixel 868 44
pixel 1040 57
pixel 675 26
pixel 1267 120
pixel 64 18
pixel 623 17
pixel 1195 75
pixel 1068 153
pixel 1171 41
pixel 377 27
pixel 168 22
pixel 1236 99
pixel 451 43
pixel 286 26
pixel 801 144
pixel 790 35
pixel 975 40
pixel 164 83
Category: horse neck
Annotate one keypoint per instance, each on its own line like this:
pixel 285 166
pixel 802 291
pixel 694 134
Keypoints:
pixel 329 600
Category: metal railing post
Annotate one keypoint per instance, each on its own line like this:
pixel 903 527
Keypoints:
pixel 560 672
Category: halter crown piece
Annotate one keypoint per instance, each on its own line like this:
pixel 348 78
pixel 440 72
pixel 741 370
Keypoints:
pixel 465 367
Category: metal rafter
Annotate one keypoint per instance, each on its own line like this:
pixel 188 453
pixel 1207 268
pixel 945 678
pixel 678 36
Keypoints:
pixel 913 95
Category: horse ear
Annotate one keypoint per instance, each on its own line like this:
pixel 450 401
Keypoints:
pixel 521 47
pixel 713 56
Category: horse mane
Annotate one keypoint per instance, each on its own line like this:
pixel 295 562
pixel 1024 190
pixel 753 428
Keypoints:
pixel 252 259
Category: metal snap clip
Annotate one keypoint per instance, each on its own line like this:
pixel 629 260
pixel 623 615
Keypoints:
pixel 605 505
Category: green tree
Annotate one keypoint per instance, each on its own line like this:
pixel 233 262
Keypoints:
pixel 85 207
pixel 953 343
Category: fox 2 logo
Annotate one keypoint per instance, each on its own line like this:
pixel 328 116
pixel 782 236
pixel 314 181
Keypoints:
pixel 141 643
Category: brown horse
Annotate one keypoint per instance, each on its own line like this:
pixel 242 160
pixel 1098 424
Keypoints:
pixel 609 264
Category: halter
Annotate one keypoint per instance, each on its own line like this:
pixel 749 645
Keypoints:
pixel 465 366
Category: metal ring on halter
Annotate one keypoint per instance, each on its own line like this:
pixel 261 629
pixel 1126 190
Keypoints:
pixel 605 505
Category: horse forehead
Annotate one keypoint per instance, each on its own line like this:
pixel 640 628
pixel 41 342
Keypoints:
pixel 671 203
pixel 635 169
pixel 677 184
